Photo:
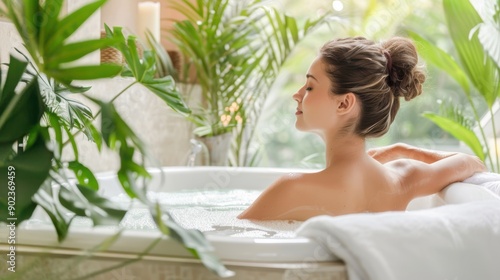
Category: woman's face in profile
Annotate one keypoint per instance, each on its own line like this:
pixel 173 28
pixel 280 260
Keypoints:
pixel 315 105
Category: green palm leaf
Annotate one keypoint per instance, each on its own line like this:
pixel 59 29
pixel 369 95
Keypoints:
pixel 68 25
pixel 480 68
pixel 458 131
pixel 45 36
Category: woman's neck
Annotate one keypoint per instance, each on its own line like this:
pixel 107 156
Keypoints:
pixel 342 150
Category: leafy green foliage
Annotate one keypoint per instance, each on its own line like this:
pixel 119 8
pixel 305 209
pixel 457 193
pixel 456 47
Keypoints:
pixel 458 131
pixel 49 202
pixel 20 115
pixel 28 175
pixel 36 108
pixel 90 204
pixel 19 112
pixel 45 34
pixel 117 135
pixel 236 50
pixel 144 71
pixel 489 11
pixel 476 73
pixel 164 64
pixel 84 176
pixel 480 68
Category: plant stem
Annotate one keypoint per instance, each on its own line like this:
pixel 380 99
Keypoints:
pixel 123 90
pixel 99 112
pixel 478 119
pixel 493 127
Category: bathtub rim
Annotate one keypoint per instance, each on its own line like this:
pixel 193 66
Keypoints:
pixel 256 250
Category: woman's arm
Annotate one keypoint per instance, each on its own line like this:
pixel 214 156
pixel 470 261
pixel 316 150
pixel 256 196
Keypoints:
pixel 423 171
pixel 405 151
pixel 418 178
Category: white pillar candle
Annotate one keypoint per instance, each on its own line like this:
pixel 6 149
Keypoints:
pixel 120 13
pixel 148 18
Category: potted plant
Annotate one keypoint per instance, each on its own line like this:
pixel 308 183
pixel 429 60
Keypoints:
pixel 474 31
pixel 233 50
pixel 38 113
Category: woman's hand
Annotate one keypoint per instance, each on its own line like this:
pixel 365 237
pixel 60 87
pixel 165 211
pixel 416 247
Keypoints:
pixel 476 165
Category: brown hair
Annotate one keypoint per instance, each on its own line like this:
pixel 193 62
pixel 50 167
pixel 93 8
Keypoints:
pixel 378 74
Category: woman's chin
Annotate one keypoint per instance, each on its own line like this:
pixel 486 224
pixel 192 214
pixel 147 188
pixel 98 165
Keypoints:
pixel 300 126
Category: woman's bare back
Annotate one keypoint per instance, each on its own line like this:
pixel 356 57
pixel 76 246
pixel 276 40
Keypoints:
pixel 365 185
pixel 333 191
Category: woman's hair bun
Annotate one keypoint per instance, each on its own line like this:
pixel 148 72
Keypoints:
pixel 405 76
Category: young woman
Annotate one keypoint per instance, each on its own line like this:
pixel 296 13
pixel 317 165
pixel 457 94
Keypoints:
pixel 352 92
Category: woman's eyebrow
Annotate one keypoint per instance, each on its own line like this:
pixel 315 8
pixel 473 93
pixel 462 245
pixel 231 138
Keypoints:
pixel 311 76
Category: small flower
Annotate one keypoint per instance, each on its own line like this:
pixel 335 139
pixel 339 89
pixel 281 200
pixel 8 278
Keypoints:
pixel 225 119
pixel 234 107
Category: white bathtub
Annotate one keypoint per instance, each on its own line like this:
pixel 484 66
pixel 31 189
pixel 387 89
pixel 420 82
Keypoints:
pixel 177 179
pixel 231 250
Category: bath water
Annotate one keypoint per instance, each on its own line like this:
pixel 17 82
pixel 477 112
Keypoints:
pixel 213 212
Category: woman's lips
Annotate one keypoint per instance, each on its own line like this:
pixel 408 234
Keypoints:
pixel 298 112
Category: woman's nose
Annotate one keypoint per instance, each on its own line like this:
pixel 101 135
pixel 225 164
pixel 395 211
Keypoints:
pixel 299 95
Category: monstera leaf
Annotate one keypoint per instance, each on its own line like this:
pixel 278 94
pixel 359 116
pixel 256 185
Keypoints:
pixel 489 29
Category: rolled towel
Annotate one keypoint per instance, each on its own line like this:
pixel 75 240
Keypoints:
pixel 489 180
pixel 454 242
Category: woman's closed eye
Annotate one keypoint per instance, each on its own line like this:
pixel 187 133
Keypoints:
pixel 308 88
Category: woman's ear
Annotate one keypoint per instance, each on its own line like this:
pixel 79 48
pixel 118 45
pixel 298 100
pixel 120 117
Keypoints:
pixel 346 103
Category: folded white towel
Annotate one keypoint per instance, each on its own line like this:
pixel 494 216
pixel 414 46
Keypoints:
pixel 451 242
pixel 489 180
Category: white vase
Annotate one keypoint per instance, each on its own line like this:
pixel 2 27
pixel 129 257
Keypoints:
pixel 218 148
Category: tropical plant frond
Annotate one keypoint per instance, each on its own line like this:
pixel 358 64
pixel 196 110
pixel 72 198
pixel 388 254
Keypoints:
pixel 144 70
pixel 480 68
pixel 456 113
pixel 476 71
pixel 460 132
pixel 488 31
pixel 236 49
pixel 37 113
pixel 46 39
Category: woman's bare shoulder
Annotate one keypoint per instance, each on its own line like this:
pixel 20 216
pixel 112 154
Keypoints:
pixel 290 184
pixel 295 196
pixel 275 200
